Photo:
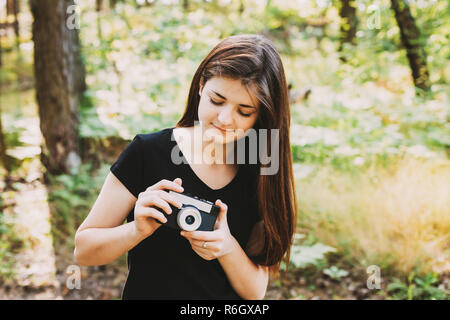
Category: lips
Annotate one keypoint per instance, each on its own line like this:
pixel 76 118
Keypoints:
pixel 223 130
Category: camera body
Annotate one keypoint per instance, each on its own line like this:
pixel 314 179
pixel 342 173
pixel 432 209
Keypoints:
pixel 195 213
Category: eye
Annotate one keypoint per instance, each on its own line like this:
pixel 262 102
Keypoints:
pixel 220 103
pixel 245 114
pixel 216 103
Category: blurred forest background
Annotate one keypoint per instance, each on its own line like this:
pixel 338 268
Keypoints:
pixel 370 133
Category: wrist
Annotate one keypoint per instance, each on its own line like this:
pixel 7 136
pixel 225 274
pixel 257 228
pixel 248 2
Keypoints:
pixel 136 235
pixel 232 247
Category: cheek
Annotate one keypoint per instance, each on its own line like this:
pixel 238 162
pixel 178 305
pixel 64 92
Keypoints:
pixel 248 123
pixel 205 112
pixel 244 125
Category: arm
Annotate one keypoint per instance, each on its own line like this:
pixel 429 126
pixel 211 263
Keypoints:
pixel 99 246
pixel 247 279
pixel 102 237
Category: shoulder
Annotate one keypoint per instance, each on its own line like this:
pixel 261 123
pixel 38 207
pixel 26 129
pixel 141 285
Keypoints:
pixel 158 139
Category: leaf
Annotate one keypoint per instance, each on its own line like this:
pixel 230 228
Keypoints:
pixel 396 285
pixel 335 273
pixel 302 256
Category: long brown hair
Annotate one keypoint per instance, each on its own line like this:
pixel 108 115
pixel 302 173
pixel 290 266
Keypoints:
pixel 254 60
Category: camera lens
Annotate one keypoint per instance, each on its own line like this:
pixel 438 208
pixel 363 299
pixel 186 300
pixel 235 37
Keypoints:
pixel 190 219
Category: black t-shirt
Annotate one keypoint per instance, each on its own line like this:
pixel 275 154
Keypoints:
pixel 164 266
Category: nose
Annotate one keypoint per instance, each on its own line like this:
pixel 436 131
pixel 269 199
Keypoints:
pixel 225 116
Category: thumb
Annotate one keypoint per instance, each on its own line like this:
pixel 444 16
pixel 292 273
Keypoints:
pixel 178 180
pixel 222 217
pixel 223 209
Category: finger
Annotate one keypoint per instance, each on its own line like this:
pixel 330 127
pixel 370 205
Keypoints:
pixel 153 200
pixel 178 181
pixel 202 235
pixel 170 199
pixel 153 213
pixel 203 252
pixel 222 213
pixel 223 206
pixel 166 184
pixel 211 246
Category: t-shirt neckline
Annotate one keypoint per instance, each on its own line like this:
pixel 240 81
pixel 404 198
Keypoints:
pixel 174 143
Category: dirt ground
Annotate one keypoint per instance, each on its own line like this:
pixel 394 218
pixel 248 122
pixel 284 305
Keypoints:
pixel 106 283
pixel 43 272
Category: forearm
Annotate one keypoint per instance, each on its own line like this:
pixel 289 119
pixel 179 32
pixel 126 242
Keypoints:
pixel 99 246
pixel 248 280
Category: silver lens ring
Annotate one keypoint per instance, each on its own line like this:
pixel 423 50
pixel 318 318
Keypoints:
pixel 192 214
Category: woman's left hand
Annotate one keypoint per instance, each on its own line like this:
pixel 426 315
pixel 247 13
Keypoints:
pixel 212 244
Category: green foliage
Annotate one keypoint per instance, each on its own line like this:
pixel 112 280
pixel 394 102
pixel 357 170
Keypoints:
pixel 348 139
pixel 71 197
pixel 308 252
pixel 356 114
pixel 10 243
pixel 92 126
pixel 417 288
pixel 13 135
pixel 302 256
pixel 140 61
pixel 335 273
pixel 12 140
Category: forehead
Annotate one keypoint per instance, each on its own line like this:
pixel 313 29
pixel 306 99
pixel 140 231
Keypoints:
pixel 232 89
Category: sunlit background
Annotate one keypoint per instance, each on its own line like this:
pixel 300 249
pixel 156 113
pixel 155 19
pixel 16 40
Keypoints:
pixel 370 145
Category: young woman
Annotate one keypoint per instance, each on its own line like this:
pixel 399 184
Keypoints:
pixel 239 87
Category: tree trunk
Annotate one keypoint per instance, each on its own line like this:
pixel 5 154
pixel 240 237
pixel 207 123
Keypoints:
pixel 1 50
pixel 99 5
pixel 16 21
pixel 12 9
pixel 413 42
pixel 59 82
pixel 347 12
pixel 241 7
pixel 185 5
pixel 3 157
pixel 112 4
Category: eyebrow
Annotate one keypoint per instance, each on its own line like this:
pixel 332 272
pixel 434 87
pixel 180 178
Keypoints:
pixel 242 105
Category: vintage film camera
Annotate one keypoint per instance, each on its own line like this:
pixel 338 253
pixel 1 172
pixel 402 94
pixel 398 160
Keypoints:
pixel 195 214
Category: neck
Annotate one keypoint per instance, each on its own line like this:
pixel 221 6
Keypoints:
pixel 208 150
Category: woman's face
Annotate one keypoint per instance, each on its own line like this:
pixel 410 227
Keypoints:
pixel 226 109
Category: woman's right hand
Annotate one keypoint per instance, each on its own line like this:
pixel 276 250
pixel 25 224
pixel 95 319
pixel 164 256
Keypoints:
pixel 155 196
